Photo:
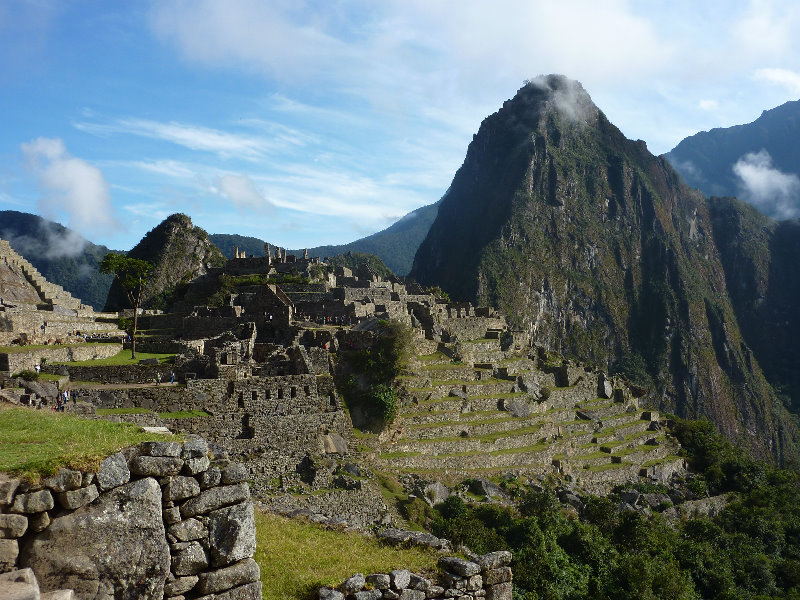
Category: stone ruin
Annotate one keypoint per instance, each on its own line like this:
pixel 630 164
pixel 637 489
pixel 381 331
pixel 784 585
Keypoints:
pixel 158 520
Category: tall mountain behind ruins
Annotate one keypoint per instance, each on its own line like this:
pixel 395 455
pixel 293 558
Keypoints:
pixel 600 251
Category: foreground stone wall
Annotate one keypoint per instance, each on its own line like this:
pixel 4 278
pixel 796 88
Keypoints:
pixel 26 361
pixel 487 577
pixel 159 520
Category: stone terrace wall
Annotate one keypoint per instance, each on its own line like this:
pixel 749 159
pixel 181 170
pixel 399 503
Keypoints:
pixel 160 520
pixel 21 361
pixel 487 577
pixel 272 423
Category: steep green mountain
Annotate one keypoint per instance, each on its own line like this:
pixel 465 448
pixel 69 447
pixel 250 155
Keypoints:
pixel 599 250
pixel 706 160
pixel 179 252
pixel 763 279
pixel 395 245
pixel 62 255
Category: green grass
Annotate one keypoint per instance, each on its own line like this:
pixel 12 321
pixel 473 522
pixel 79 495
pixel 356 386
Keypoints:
pixel 297 558
pixel 123 357
pixel 38 442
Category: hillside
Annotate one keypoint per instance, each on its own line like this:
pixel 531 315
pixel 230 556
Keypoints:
pixel 763 278
pixel 179 252
pixel 706 160
pixel 395 245
pixel 599 250
pixel 60 254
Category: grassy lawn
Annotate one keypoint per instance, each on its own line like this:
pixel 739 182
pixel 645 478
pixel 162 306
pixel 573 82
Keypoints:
pixel 297 558
pixel 121 358
pixel 39 442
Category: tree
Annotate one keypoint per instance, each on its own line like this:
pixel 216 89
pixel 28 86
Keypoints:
pixel 131 273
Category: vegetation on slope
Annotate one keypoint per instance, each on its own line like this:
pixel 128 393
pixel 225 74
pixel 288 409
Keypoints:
pixel 297 558
pixel 356 260
pixel 749 551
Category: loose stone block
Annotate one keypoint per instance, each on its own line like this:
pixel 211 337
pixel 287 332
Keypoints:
pixel 181 488
pixel 400 578
pixel 58 595
pixel 76 498
pixel 38 522
pixel 409 594
pixel 195 448
pixel 171 515
pixel 474 583
pixel 368 595
pixel 234 473
pixel 20 584
pixel 13 526
pixel 210 478
pixel 155 466
pixel 353 584
pixel 215 498
pixel 63 481
pixel 113 472
pixel 501 591
pixel 193 466
pixel 459 566
pixel 494 576
pixel 390 595
pixel 9 551
pixel 231 534
pixel 190 560
pixel 163 449
pixel 453 581
pixel 380 581
pixel 188 530
pixel 33 502
pixel 435 591
pixel 494 560
pixel 237 574
pixel 250 591
pixel 8 488
pixel 419 583
pixel 327 593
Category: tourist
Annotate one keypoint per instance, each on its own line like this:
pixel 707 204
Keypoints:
pixel 172 377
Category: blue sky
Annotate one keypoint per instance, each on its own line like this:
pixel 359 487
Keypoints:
pixel 309 123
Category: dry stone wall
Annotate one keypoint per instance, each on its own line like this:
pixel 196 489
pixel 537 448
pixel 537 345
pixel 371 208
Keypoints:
pixel 486 577
pixel 27 360
pixel 159 520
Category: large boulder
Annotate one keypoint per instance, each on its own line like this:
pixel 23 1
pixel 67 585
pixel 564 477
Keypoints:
pixel 113 549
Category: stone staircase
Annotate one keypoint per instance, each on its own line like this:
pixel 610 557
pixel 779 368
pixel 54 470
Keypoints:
pixel 50 293
pixel 501 413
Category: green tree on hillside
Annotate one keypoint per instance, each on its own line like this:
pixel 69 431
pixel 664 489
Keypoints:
pixel 131 274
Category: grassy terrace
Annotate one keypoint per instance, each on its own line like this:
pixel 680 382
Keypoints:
pixel 38 442
pixel 32 347
pixel 296 558
pixel 121 358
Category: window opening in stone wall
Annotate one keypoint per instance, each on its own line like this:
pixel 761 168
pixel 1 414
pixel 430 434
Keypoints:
pixel 307 390
pixel 280 393
pixel 268 394
pixel 254 395
pixel 241 399
pixel 293 392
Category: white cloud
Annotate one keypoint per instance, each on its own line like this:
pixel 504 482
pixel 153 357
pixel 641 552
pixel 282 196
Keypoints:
pixel 708 105
pixel 241 190
pixel 223 143
pixel 783 77
pixel 70 186
pixel 774 193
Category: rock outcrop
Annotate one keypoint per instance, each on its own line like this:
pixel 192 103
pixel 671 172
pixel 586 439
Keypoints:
pixel 597 249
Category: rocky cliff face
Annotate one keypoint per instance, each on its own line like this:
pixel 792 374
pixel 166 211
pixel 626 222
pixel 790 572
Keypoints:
pixel 179 252
pixel 763 278
pixel 598 249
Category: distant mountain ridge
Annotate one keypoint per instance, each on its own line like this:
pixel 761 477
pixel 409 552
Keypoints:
pixel 766 149
pixel 599 250
pixel 60 254
pixel 395 245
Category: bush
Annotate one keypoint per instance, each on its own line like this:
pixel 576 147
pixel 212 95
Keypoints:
pixel 28 375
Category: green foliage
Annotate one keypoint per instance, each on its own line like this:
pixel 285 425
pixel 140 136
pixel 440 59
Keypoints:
pixel 28 375
pixel 634 368
pixel 439 293
pixel 384 398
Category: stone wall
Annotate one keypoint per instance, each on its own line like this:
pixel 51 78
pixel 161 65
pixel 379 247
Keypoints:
pixel 272 423
pixel 27 360
pixel 159 520
pixel 113 374
pixel 486 577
